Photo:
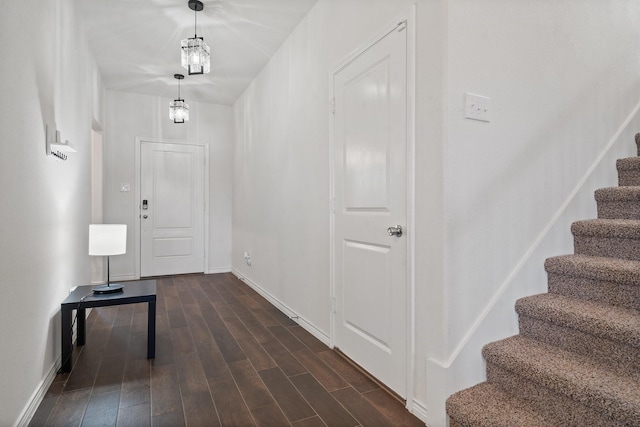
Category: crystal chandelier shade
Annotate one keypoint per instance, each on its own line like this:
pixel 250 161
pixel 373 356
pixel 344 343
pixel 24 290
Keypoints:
pixel 178 109
pixel 196 58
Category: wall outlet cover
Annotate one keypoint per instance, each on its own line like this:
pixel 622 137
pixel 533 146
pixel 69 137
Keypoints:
pixel 477 107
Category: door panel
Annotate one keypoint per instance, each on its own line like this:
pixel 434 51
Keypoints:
pixel 172 225
pixel 171 247
pixel 367 264
pixel 370 186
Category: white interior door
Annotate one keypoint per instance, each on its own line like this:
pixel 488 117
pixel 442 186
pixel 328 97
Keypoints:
pixel 370 188
pixel 171 209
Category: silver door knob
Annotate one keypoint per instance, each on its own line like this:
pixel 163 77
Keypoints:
pixel 395 231
pixel 145 216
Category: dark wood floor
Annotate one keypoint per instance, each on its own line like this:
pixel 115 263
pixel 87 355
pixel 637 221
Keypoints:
pixel 224 357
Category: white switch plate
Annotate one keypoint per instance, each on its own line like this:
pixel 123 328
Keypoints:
pixel 477 107
pixel 125 187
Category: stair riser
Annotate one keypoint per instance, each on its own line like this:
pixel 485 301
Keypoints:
pixel 620 357
pixel 607 247
pixel 557 407
pixel 619 210
pixel 628 177
pixel 612 293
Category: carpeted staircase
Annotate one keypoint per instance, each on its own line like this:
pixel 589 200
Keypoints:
pixel 576 361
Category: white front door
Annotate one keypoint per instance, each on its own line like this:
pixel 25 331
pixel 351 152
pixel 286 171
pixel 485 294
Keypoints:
pixel 171 209
pixel 370 189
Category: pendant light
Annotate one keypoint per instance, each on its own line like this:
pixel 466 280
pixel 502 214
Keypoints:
pixel 178 109
pixel 195 52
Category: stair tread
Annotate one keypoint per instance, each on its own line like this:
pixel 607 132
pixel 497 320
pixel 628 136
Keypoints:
pixel 628 163
pixel 610 228
pixel 487 405
pixel 602 320
pixel 627 193
pixel 593 267
pixel 571 374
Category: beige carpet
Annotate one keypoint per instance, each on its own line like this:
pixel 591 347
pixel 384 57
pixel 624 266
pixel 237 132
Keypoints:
pixel 576 361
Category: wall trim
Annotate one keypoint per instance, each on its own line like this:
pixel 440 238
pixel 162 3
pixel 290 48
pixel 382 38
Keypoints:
pixel 419 410
pixel 38 395
pixel 219 270
pixel 536 243
pixel 308 326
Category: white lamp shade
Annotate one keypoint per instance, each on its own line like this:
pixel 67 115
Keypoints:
pixel 107 239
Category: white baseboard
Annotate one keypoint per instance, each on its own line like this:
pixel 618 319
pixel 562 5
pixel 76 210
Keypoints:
pixel 41 391
pixel 306 325
pixel 420 411
pixel 219 270
pixel 36 399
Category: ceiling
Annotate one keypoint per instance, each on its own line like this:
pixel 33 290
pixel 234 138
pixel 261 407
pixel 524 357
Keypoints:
pixel 136 43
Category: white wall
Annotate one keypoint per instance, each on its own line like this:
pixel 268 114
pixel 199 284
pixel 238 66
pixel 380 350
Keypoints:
pixel 562 83
pixel 47 75
pixel 563 78
pixel 130 115
pixel 493 200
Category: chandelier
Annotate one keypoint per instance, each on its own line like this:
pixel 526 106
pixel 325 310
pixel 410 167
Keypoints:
pixel 178 109
pixel 195 52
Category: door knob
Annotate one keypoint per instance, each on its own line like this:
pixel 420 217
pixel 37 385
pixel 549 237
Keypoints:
pixel 395 231
pixel 144 216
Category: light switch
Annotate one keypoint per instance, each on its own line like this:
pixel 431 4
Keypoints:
pixel 477 107
pixel 125 187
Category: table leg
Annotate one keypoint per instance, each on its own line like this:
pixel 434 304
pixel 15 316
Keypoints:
pixel 67 345
pixel 151 330
pixel 82 321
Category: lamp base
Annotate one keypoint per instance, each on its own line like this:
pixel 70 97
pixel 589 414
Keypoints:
pixel 108 289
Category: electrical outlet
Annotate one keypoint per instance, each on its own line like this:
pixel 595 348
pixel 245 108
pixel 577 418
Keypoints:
pixel 477 107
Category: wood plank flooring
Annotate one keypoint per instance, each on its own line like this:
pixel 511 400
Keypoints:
pixel 224 357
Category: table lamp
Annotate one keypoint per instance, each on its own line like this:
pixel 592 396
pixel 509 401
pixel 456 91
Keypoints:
pixel 107 240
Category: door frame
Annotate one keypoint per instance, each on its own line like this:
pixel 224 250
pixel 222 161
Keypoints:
pixel 409 17
pixel 138 208
pixel 97 195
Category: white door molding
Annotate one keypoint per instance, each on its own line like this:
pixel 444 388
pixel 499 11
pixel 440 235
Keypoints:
pixel 409 18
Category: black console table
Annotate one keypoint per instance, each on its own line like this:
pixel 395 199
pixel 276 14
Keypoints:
pixel 82 298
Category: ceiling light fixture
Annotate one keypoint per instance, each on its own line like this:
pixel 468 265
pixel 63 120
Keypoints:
pixel 178 109
pixel 195 52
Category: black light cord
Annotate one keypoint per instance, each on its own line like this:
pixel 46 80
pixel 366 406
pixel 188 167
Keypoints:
pixel 75 318
pixel 195 24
